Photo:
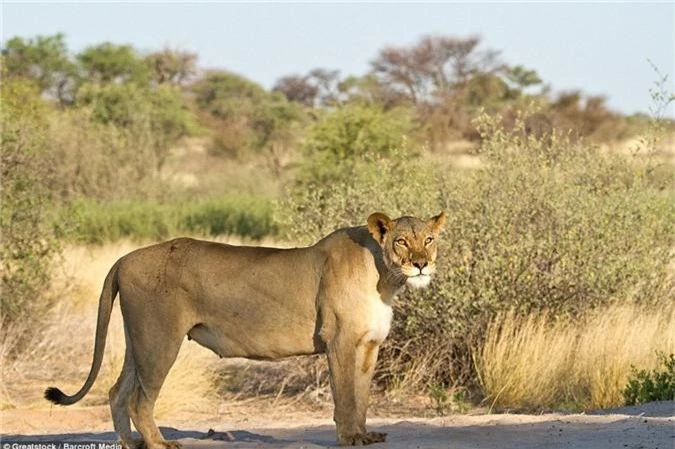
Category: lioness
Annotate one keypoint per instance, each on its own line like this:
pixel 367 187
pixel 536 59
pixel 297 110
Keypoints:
pixel 260 303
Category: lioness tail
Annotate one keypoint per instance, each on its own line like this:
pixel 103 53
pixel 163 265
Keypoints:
pixel 108 294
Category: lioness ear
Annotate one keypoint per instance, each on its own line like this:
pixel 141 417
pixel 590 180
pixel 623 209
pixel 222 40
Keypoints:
pixel 378 225
pixel 437 222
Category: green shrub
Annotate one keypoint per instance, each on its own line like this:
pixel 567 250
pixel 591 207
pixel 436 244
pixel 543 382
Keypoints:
pixel 351 133
pixel 545 224
pixel 657 385
pixel 152 220
pixel 244 216
pixel 154 117
pixel 244 117
pixel 355 130
pixel 92 221
pixel 28 244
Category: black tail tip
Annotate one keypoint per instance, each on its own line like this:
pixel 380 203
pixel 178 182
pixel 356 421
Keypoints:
pixel 53 394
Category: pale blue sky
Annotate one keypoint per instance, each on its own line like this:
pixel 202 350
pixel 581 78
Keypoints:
pixel 601 48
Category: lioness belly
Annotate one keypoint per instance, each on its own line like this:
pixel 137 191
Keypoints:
pixel 256 341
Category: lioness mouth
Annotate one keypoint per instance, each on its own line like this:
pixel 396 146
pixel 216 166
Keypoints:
pixel 419 280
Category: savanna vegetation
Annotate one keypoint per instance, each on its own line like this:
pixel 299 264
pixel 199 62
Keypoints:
pixel 555 288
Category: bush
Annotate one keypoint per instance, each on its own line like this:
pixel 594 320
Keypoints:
pixel 355 130
pixel 245 118
pixel 351 133
pixel 546 224
pixel 156 118
pixel 28 244
pixel 656 385
pixel 244 216
pixel 152 220
pixel 102 162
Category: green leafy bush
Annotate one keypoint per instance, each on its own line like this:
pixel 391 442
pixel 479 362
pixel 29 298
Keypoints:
pixel 155 118
pixel 152 220
pixel 244 216
pixel 349 134
pixel 656 385
pixel 545 224
pixel 355 130
pixel 245 118
pixel 28 244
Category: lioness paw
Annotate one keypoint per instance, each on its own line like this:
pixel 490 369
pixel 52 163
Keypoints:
pixel 172 445
pixel 141 444
pixel 363 439
pixel 376 437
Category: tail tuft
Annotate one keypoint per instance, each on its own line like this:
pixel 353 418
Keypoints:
pixel 56 396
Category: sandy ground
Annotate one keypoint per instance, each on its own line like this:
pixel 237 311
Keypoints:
pixel 651 426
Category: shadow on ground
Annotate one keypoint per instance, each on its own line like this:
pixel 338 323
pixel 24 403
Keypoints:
pixel 645 428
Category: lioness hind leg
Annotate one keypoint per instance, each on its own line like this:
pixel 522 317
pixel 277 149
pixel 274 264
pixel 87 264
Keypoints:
pixel 153 360
pixel 119 401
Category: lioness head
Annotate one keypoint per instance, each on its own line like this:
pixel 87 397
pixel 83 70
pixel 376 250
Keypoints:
pixel 408 245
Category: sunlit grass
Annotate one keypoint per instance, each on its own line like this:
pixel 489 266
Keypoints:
pixel 538 363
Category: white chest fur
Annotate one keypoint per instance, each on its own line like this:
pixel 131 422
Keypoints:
pixel 379 315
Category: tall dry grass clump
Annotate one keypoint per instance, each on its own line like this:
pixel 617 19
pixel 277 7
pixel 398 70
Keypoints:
pixel 540 361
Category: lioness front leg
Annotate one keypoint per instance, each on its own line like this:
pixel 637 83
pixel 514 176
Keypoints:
pixel 351 366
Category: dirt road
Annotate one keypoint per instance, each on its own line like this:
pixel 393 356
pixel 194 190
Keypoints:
pixel 646 427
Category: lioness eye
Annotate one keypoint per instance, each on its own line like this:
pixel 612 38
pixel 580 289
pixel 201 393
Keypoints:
pixel 401 242
pixel 428 240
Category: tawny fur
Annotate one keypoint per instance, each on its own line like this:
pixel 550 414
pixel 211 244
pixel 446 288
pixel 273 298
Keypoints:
pixel 260 303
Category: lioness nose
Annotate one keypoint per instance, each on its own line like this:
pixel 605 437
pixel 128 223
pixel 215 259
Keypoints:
pixel 420 264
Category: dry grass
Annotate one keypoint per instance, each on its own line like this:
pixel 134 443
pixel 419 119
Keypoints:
pixel 190 168
pixel 535 362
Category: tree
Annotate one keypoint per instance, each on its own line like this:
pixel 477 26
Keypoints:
pixel 398 67
pixel 157 115
pixel 320 87
pixel 485 90
pixel 433 66
pixel 297 88
pixel 327 82
pixel 522 77
pixel 109 63
pixel 45 60
pixel 172 66
pixel 245 116
pixel 226 95
pixel 369 90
